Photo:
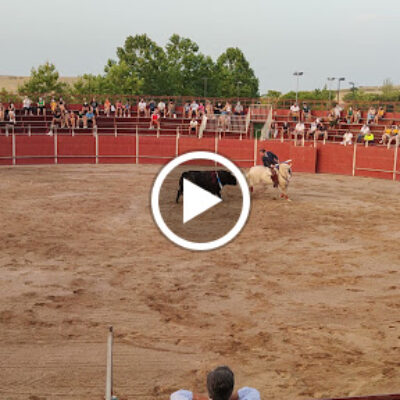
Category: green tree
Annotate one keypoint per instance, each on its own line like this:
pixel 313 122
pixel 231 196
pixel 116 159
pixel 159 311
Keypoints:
pixel 44 79
pixel 273 94
pixel 187 68
pixel 235 76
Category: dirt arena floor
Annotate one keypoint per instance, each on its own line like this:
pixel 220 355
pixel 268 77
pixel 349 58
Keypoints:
pixel 305 303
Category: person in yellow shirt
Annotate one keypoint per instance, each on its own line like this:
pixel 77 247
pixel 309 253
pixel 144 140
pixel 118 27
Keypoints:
pixel 53 105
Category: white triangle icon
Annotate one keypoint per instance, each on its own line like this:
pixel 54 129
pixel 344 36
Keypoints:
pixel 196 200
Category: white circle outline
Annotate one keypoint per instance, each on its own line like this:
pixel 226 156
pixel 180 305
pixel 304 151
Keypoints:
pixel 187 244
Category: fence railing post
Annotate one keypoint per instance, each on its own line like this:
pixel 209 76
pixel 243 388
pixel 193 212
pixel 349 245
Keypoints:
pixel 177 142
pixel 137 144
pixel 109 372
pixel 55 148
pixel 13 149
pixel 96 138
pixel 354 158
pixel 396 150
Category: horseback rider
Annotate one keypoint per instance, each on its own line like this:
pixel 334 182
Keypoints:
pixel 270 160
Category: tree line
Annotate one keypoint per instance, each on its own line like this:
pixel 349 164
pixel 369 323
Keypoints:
pixel 144 67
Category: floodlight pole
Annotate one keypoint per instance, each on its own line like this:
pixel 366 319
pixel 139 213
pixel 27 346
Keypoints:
pixel 297 74
pixel 330 79
pixel 338 88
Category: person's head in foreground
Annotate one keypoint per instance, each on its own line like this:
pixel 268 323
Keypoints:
pixel 220 383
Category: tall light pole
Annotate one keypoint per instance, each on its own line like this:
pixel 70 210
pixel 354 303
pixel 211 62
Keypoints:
pixel 353 88
pixel 297 74
pixel 338 87
pixel 330 79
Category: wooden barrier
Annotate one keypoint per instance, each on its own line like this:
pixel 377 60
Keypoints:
pixel 373 161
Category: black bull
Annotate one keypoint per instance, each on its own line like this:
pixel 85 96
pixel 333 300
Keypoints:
pixel 212 181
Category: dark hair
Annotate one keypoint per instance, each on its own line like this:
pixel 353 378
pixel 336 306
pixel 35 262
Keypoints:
pixel 220 383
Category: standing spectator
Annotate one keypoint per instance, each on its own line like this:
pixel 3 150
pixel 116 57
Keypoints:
pixel 53 105
pixel 41 106
pixel 337 112
pixel 349 115
pixel 299 130
pixel 186 110
pixel 61 104
pixel 2 112
pixel 238 109
pixel 161 108
pixel 379 115
pixel 152 107
pixel 194 109
pixel 11 114
pixel 193 126
pixel 127 109
pixel 357 116
pixel 294 112
pixel 107 107
pixel 201 109
pixel 171 113
pixel 371 114
pixel 155 120
pixel 209 108
pixel 347 138
pixel 141 109
pixel 95 106
pixel 118 107
pixel 363 131
pixel 26 103
pixel 306 112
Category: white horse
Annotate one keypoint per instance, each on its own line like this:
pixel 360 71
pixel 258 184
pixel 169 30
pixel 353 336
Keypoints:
pixel 262 175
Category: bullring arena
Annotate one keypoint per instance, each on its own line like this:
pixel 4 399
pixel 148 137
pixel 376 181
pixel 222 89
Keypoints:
pixel 304 303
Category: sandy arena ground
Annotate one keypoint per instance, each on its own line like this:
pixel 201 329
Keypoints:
pixel 305 303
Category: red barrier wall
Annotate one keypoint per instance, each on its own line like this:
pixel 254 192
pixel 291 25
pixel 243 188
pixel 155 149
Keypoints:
pixel 375 158
pixel 151 147
pixel 76 149
pixel 329 158
pixel 5 150
pixel 335 159
pixel 39 146
pixel 195 144
pixel 238 151
pixel 121 146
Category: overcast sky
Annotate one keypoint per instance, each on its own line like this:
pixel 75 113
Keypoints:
pixel 356 39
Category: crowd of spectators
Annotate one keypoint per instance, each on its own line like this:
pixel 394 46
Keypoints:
pixel 301 124
pixel 337 115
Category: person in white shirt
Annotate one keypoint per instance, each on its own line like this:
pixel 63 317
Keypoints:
pixel 142 108
pixel 299 131
pixel 238 109
pixel 295 111
pixel 193 109
pixel 161 108
pixel 347 139
pixel 220 384
pixel 26 103
pixel 363 131
pixel 193 126
pixel 312 130
pixel 337 111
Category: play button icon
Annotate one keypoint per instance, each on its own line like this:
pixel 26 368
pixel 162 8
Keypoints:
pixel 196 200
pixel 204 221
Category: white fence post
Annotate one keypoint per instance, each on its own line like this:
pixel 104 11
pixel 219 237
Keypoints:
pixel 137 145
pixel 13 148
pixel 177 142
pixel 354 157
pixel 109 375
pixel 55 148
